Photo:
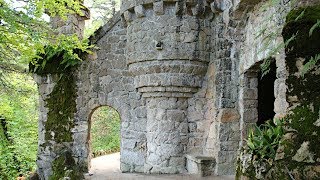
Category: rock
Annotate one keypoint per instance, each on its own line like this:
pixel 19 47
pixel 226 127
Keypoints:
pixel 228 115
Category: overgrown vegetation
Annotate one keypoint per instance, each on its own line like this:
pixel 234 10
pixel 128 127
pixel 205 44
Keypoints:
pixel 105 131
pixel 297 156
pixel 19 127
pixel 58 56
pixel 258 155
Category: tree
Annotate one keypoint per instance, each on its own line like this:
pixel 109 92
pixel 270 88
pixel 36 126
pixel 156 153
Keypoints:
pixel 24 31
pixel 101 12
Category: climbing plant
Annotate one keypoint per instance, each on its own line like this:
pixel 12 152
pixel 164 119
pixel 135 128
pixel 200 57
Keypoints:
pixel 56 56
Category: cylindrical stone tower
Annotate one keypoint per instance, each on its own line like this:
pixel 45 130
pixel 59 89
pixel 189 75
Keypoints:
pixel 168 50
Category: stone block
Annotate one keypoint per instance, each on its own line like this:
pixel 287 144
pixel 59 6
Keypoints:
pixel 176 115
pixel 250 115
pixel 249 93
pixel 139 10
pixel 250 104
pixel 132 157
pixel 226 169
pixel 125 167
pixel 158 8
pixel 177 161
pixel 228 115
pixel 200 165
pixel 192 127
pixel 139 169
pixel 128 16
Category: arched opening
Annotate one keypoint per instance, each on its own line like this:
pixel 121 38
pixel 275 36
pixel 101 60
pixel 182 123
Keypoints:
pixel 104 139
pixel 266 95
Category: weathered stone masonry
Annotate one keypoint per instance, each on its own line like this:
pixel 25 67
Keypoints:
pixel 182 76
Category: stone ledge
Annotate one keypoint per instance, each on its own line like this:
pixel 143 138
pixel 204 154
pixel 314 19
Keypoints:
pixel 200 165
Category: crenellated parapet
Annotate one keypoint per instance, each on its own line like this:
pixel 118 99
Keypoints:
pixel 168 45
pixel 136 9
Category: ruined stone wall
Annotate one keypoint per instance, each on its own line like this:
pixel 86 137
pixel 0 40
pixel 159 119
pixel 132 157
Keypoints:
pixel 259 34
pixel 57 89
pixel 183 77
pixel 44 160
pixel 297 154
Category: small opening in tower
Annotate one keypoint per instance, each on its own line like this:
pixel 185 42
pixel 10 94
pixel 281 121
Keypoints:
pixel 266 96
pixel 159 45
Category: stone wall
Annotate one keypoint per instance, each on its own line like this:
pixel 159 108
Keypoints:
pixel 259 33
pixel 183 77
pixel 168 51
pixel 105 80
pixel 297 155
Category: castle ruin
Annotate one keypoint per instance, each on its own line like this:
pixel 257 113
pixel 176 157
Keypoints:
pixel 184 77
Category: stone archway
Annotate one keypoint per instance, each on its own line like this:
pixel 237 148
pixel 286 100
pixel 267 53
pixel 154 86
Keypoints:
pixel 104 126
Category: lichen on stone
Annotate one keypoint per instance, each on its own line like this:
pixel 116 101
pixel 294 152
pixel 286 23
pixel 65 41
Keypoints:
pixel 303 154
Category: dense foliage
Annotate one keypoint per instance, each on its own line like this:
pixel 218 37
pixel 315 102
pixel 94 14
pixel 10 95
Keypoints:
pixel 26 38
pixel 57 56
pixel 105 131
pixel 259 153
pixel 101 12
pixel 24 31
pixel 18 135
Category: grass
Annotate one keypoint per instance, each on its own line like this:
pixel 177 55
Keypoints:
pixel 105 131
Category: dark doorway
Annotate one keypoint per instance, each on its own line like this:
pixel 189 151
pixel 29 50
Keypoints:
pixel 266 94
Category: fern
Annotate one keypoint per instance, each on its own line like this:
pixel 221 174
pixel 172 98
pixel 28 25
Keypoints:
pixel 316 25
pixel 310 64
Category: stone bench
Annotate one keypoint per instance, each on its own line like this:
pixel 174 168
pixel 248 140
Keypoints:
pixel 200 165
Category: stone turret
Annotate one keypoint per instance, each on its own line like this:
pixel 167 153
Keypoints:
pixel 168 51
pixel 74 24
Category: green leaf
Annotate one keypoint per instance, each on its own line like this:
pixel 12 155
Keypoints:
pixel 316 25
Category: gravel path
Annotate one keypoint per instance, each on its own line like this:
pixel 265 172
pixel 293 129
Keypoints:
pixel 101 170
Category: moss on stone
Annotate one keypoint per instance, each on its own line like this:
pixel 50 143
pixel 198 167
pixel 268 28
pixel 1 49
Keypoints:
pixel 64 166
pixel 302 119
pixel 61 104
pixel 306 89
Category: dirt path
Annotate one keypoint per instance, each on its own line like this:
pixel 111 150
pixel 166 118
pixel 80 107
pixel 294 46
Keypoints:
pixel 111 171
